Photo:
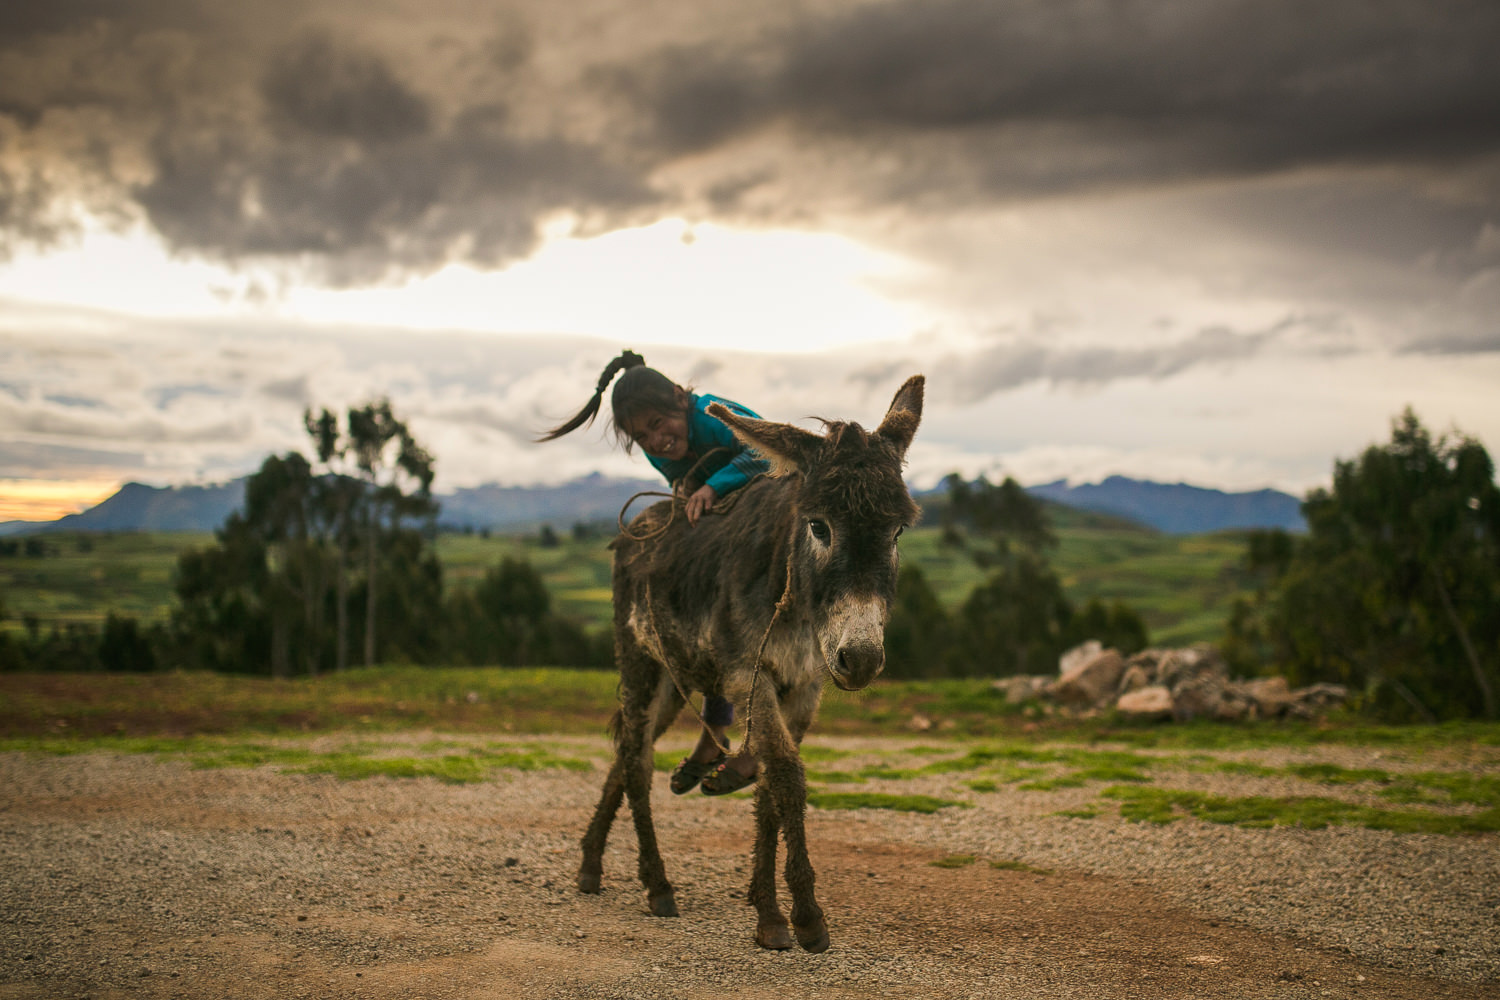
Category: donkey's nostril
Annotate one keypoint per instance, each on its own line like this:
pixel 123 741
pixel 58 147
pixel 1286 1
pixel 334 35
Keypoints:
pixel 857 664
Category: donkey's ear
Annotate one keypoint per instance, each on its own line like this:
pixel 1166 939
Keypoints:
pixel 900 423
pixel 789 449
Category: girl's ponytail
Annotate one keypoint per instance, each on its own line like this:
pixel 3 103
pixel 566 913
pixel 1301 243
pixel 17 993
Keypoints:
pixel 585 416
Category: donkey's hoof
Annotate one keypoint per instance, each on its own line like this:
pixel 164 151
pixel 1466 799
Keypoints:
pixel 813 937
pixel 588 882
pixel 773 937
pixel 664 905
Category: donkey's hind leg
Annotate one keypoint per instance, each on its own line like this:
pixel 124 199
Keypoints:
pixel 591 870
pixel 645 714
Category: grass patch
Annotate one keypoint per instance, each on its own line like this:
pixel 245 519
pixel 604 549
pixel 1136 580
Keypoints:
pixel 877 800
pixel 452 769
pixel 821 754
pixel 354 760
pixel 1458 787
pixel 1163 805
pixel 1019 866
pixel 1085 813
pixel 1340 729
pixel 954 861
pixel 1243 768
pixel 1333 774
pixel 377 699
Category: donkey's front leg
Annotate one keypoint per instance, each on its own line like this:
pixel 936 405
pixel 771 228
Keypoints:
pixel 788 787
pixel 770 925
pixel 785 786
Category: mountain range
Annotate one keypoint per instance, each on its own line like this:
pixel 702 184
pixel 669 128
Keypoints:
pixel 1171 508
pixel 1179 509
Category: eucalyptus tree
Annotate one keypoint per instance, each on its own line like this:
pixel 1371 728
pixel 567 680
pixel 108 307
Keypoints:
pixel 379 476
pixel 278 510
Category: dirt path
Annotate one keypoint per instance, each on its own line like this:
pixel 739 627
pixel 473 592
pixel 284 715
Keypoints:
pixel 142 878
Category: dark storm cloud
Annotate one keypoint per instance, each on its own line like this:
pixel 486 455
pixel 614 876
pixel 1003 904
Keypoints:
pixel 1130 91
pixel 24 20
pixel 334 93
pixel 353 157
pixel 375 141
pixel 356 169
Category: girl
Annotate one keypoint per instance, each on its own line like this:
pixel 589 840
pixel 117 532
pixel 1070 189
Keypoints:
pixel 672 426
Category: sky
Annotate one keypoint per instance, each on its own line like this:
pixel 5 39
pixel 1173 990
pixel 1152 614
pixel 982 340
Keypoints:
pixel 1222 242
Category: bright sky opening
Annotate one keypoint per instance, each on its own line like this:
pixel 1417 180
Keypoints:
pixel 47 500
pixel 668 283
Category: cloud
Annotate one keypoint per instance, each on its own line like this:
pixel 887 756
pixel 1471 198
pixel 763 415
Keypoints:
pixel 1045 96
pixel 365 147
pixel 1016 361
pixel 330 91
pixel 337 152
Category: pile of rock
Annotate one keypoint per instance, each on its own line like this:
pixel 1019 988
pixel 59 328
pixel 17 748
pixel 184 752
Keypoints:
pixel 1180 684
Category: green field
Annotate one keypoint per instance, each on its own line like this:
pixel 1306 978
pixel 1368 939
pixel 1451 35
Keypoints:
pixel 1183 586
pixel 83 577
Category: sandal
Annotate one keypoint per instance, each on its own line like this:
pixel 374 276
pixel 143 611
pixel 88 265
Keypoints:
pixel 726 779
pixel 687 774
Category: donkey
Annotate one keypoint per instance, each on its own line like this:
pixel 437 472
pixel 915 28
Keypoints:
pixel 761 606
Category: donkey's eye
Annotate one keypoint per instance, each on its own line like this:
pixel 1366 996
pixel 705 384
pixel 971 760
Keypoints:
pixel 899 530
pixel 820 530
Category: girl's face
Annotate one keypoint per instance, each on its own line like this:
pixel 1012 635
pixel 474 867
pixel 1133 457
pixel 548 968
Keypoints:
pixel 660 435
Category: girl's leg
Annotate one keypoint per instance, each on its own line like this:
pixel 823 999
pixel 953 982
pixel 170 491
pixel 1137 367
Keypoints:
pixel 718 713
pixel 710 739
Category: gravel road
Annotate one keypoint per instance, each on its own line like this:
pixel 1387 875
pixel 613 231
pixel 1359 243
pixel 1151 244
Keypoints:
pixel 142 877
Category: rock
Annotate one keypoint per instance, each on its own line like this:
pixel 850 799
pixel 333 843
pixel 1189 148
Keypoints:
pixel 1078 655
pixel 1088 680
pixel 1135 678
pixel 1270 696
pixel 919 723
pixel 1180 665
pixel 1197 697
pixel 1150 702
pixel 1148 660
pixel 1232 707
pixel 1020 689
pixel 1309 701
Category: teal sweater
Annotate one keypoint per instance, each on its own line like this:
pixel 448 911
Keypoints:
pixel 705 433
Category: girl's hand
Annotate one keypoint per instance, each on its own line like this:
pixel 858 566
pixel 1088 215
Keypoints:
pixel 700 503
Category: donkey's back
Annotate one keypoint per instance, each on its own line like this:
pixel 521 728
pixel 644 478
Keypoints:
pixel 698 598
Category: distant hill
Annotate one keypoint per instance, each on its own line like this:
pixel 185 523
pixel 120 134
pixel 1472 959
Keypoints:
pixel 1175 509
pixel 512 508
pixel 138 507
pixel 1179 509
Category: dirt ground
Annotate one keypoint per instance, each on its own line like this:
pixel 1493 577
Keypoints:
pixel 143 878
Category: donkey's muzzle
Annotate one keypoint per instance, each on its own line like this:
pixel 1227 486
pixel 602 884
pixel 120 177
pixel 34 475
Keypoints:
pixel 857 664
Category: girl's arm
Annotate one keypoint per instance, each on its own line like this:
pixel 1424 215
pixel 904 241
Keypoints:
pixel 745 465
